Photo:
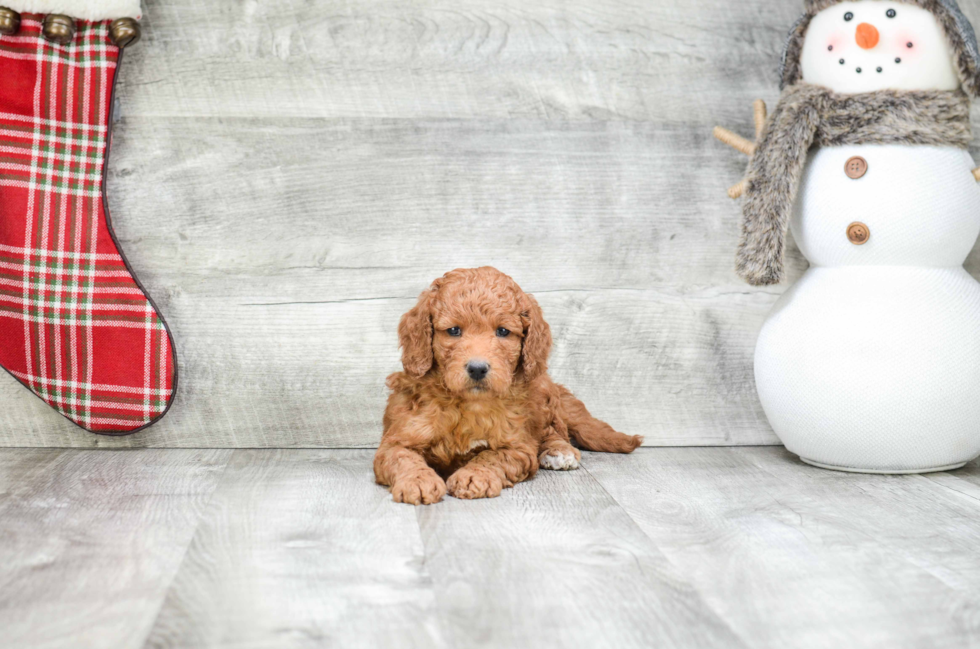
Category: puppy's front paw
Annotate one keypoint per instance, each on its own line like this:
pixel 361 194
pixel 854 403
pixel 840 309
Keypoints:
pixel 475 482
pixel 423 489
pixel 560 462
pixel 560 457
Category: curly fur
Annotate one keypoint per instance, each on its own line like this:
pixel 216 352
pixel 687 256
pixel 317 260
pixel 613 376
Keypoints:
pixel 809 115
pixel 959 35
pixel 445 432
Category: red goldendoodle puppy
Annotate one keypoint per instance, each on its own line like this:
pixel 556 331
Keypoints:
pixel 474 411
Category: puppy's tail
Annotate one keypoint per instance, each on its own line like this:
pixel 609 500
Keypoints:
pixel 591 433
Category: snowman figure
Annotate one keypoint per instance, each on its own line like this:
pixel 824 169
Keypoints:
pixel 871 362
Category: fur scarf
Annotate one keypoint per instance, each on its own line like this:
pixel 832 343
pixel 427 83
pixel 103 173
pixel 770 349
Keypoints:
pixel 808 116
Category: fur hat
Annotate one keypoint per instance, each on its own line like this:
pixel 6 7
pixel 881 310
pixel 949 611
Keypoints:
pixel 959 33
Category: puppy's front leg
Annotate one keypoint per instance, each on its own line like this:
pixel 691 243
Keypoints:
pixel 411 480
pixel 490 472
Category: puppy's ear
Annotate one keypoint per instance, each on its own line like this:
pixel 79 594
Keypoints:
pixel 537 341
pixel 415 336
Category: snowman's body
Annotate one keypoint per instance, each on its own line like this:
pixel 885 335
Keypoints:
pixel 871 362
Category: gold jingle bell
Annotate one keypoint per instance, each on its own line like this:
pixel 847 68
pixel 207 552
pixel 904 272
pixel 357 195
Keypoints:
pixel 124 32
pixel 58 28
pixel 9 22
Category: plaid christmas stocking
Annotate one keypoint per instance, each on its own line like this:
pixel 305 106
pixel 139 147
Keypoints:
pixel 76 327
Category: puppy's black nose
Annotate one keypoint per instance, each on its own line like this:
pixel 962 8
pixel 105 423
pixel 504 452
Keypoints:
pixel 477 370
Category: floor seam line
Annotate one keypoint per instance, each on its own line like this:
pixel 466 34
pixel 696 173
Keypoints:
pixel 946 487
pixel 183 557
pixel 666 557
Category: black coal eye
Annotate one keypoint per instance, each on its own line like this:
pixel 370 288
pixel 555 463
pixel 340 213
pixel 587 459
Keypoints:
pixel 848 16
pixel 890 13
pixel 454 331
pixel 503 333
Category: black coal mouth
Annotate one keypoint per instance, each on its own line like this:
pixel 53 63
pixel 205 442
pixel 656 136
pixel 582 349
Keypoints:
pixel 879 69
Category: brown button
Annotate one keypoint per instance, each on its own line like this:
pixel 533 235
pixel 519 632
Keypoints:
pixel 856 167
pixel 858 233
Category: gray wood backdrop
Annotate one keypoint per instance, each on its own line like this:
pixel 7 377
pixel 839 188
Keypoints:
pixel 288 176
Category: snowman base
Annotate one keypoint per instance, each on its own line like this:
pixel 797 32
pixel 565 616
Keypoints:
pixel 875 369
pixel 851 469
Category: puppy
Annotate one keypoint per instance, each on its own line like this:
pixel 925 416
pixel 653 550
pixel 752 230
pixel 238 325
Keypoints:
pixel 475 412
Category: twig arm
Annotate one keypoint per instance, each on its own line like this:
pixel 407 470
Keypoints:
pixel 736 191
pixel 760 113
pixel 734 140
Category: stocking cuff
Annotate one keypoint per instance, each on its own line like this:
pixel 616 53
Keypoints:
pixel 78 9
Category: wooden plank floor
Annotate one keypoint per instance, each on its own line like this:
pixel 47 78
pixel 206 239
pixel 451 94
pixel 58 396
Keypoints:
pixel 682 547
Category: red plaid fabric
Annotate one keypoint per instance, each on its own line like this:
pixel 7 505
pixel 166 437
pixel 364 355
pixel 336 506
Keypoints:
pixel 75 326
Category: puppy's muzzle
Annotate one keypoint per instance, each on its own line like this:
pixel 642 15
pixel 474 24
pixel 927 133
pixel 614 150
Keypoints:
pixel 478 369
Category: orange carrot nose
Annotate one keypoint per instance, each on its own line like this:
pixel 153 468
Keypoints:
pixel 867 36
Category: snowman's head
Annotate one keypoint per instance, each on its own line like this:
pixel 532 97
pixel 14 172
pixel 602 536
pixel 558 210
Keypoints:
pixel 868 45
pixel 872 45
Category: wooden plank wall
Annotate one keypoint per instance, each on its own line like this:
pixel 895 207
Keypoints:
pixel 289 175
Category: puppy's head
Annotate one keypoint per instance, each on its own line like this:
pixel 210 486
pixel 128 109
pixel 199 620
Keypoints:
pixel 478 331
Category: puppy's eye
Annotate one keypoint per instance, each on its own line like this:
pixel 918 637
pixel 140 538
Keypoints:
pixel 454 332
pixel 890 13
pixel 503 333
pixel 848 16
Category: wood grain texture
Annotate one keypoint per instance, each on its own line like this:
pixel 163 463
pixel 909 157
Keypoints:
pixel 693 547
pixel 89 541
pixel 302 549
pixel 556 562
pixel 794 556
pixel 288 176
